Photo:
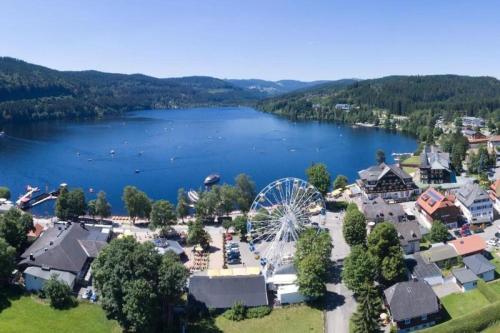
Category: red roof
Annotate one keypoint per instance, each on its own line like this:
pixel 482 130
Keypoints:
pixel 431 200
pixel 495 189
pixel 37 232
pixel 469 245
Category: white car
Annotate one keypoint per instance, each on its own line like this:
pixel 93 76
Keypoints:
pixel 491 242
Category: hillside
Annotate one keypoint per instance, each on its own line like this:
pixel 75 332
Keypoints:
pixel 32 92
pixel 423 99
pixel 273 88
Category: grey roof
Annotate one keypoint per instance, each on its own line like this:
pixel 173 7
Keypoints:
pixel 376 172
pixel 379 210
pixel 419 268
pixel 45 274
pixel 222 292
pixel 432 157
pixel 286 269
pixel 464 275
pixel 66 247
pixel 439 252
pixel 468 193
pixel 408 231
pixel 478 264
pixel 411 299
pixel 165 245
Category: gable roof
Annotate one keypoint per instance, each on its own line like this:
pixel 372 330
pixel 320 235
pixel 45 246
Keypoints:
pixel 379 210
pixel 418 268
pixel 468 245
pixel 376 172
pixel 222 292
pixel 470 192
pixel 439 252
pixel 408 232
pixel 478 264
pixel 411 299
pixel 464 275
pixel 431 200
pixel 432 157
pixel 66 247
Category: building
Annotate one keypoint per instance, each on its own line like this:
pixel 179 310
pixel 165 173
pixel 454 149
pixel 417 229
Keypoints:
pixel 478 264
pixel 388 182
pixel 432 206
pixel 476 139
pixel 475 204
pixel 413 305
pixel 163 246
pixel 469 245
pixel 65 250
pixel 419 269
pixel 343 107
pixel 494 144
pixel 440 254
pixel 495 195
pixel 378 210
pixel 409 236
pixel 221 291
pixel 36 232
pixel 434 167
pixel 465 278
pixel 474 122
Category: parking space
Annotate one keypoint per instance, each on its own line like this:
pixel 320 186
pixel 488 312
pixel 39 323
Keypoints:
pixel 247 258
pixel 447 288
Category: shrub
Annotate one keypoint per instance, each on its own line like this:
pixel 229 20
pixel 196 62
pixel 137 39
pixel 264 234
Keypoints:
pixel 258 312
pixel 59 293
pixel 236 313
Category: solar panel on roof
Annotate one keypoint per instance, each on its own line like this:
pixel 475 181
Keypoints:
pixel 435 195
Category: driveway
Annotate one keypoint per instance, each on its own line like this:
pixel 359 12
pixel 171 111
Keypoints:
pixel 447 288
pixel 340 303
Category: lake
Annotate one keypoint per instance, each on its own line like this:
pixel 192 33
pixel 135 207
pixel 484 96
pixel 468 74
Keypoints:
pixel 179 148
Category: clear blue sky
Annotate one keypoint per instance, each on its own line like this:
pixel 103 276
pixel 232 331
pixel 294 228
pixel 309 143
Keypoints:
pixel 268 39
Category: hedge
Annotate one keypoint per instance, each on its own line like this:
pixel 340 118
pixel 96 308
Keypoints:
pixel 471 323
pixel 490 294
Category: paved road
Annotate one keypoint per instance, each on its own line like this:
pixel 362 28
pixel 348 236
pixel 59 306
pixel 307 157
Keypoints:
pixel 340 302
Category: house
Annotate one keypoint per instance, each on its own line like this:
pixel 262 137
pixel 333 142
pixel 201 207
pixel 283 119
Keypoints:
pixel 440 254
pixel 469 245
pixel 494 144
pixel 222 291
pixel 475 204
pixel 478 264
pixel 434 167
pixel 343 107
pixel 419 269
pixel 475 122
pixel 476 139
pixel 409 236
pixel 36 232
pixel 432 206
pixel 378 210
pixel 495 195
pixel 413 305
pixel 465 278
pixel 66 250
pixel 387 182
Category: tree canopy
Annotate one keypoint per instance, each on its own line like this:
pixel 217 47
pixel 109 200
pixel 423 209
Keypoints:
pixel 162 216
pixel 7 260
pixel 70 204
pixel 340 182
pixel 246 192
pixel 354 227
pixel 439 232
pixel 137 203
pixel 14 228
pixel 182 208
pixel 319 177
pixel 360 267
pixel 4 192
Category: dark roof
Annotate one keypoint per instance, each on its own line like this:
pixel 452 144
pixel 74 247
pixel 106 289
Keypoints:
pixel 379 210
pixel 222 292
pixel 464 275
pixel 408 231
pixel 376 172
pixel 478 264
pixel 164 245
pixel 432 157
pixel 439 252
pixel 66 247
pixel 411 299
pixel 419 268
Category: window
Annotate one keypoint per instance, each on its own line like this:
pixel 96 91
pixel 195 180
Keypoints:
pixel 424 317
pixel 407 321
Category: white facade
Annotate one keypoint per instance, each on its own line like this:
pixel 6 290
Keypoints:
pixel 290 294
pixel 479 212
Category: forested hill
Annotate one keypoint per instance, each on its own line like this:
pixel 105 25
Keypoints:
pixel 422 98
pixel 273 88
pixel 32 92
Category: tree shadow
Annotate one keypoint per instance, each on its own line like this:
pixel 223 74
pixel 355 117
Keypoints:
pixel 204 325
pixel 213 249
pixel 334 274
pixel 9 294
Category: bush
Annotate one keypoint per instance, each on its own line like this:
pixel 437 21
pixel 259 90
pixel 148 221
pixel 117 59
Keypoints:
pixel 59 293
pixel 473 322
pixel 487 292
pixel 237 312
pixel 258 312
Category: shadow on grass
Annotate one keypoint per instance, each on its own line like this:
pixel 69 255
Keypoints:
pixel 9 294
pixel 204 325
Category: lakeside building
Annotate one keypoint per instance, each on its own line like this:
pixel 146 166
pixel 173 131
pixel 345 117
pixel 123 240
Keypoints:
pixel 67 250
pixel 432 206
pixel 475 204
pixel 378 210
pixel 474 122
pixel 434 167
pixel 413 305
pixel 343 107
pixel 388 182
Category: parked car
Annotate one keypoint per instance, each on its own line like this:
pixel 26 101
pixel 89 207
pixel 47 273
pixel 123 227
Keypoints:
pixel 229 237
pixel 492 242
pixel 457 233
pixel 234 261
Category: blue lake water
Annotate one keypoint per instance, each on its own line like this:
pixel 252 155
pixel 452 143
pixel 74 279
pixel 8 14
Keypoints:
pixel 179 148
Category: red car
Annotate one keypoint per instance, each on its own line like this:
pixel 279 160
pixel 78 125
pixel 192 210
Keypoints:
pixel 229 237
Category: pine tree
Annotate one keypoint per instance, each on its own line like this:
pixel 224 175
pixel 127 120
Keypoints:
pixel 365 319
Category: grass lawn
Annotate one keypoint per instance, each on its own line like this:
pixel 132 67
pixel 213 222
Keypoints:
pixel 495 328
pixel 459 304
pixel 495 286
pixel 496 261
pixel 294 319
pixel 28 314
pixel 412 160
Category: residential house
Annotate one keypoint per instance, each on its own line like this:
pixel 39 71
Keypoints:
pixel 465 278
pixel 441 254
pixel 434 167
pixel 413 305
pixel 495 195
pixel 477 139
pixel 475 204
pixel 409 236
pixel 378 210
pixel 478 264
pixel 474 122
pixel 388 182
pixel 466 246
pixel 222 291
pixel 432 206
pixel 494 144
pixel 421 270
pixel 65 250
pixel 343 107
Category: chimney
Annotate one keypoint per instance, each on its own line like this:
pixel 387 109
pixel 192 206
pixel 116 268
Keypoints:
pixel 32 257
pixel 51 243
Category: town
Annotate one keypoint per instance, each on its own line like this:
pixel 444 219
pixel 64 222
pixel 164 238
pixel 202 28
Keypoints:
pixel 407 246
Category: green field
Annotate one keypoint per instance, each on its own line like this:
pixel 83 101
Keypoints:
pixel 463 303
pixel 496 261
pixel 493 328
pixel 296 319
pixel 28 314
pixel 415 160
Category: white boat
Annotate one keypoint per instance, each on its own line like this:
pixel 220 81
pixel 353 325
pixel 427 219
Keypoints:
pixel 193 196
pixel 211 179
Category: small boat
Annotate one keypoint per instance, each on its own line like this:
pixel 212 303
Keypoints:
pixel 112 152
pixel 211 179
pixel 137 171
pixel 2 133
pixel 193 196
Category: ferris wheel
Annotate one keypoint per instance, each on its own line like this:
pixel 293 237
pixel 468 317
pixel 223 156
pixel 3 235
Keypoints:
pixel 279 213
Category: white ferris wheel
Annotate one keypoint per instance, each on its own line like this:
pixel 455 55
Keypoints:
pixel 279 213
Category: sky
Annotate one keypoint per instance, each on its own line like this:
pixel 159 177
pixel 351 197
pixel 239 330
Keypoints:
pixel 268 39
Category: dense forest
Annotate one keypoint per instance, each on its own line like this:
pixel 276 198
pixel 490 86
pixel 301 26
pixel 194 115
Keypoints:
pixel 274 88
pixel 413 102
pixel 31 92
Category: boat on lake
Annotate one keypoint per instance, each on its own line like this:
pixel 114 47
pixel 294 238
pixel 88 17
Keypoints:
pixel 211 179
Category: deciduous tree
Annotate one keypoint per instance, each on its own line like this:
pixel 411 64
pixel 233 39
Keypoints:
pixel 162 216
pixel 14 228
pixel 245 188
pixel 439 232
pixel 354 227
pixel 58 292
pixel 380 156
pixel 102 206
pixel 182 204
pixel 7 260
pixel 4 192
pixel 359 268
pixel 340 182
pixel 319 177
pixel 137 203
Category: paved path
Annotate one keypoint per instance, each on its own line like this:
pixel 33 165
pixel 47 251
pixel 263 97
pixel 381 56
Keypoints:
pixel 340 303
